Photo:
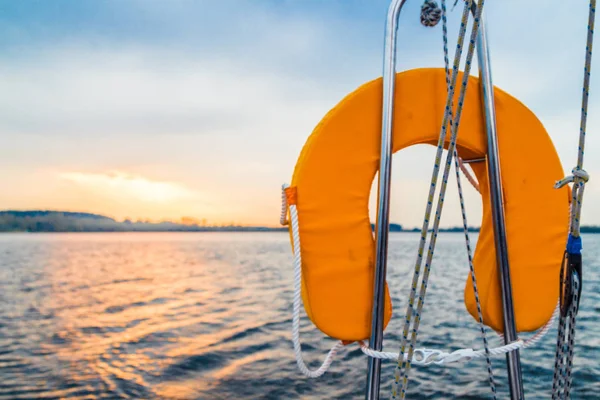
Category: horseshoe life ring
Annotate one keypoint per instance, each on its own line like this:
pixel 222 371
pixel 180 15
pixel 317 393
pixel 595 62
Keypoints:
pixel 332 182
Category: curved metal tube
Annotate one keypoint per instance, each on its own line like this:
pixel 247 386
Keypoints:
pixel 513 359
pixel 383 195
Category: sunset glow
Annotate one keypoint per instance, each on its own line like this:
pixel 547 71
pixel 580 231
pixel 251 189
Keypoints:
pixel 124 195
pixel 162 112
pixel 130 187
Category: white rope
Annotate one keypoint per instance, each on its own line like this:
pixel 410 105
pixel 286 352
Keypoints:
pixel 438 357
pixel 576 173
pixel 421 356
pixel 298 298
pixel 283 218
pixel 542 332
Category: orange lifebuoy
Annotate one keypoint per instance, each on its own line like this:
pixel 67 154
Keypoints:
pixel 333 179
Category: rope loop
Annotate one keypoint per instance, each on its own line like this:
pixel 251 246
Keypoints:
pixel 439 357
pixel 283 220
pixel 581 174
pixel 421 356
pixel 431 13
pixel 578 175
pixel 297 301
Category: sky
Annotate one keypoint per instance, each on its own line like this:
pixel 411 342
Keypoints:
pixel 151 110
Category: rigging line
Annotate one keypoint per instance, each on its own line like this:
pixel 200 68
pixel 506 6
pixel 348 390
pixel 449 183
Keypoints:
pixel 571 271
pixel 403 368
pixel 458 166
pixel 399 370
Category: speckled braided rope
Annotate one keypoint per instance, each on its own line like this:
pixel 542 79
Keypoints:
pixel 561 384
pixel 403 365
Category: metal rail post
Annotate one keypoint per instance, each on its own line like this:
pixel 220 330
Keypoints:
pixel 382 224
pixel 383 195
pixel 513 360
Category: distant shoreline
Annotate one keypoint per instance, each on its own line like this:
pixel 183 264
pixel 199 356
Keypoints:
pixel 42 221
pixel 595 230
pixel 284 231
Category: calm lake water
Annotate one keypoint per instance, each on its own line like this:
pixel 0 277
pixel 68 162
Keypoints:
pixel 208 316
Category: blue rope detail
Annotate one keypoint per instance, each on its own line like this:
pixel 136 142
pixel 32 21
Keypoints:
pixel 574 245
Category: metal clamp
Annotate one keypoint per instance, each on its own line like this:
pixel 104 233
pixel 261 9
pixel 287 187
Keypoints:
pixel 571 270
pixel 427 356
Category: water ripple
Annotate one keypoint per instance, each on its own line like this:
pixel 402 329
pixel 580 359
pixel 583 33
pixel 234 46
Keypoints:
pixel 208 316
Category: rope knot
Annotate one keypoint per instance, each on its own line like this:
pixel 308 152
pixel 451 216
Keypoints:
pixel 283 220
pixel 581 174
pixel 577 175
pixel 431 13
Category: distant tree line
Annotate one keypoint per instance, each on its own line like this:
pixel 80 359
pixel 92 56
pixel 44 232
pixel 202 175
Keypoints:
pixel 58 221
pixel 62 221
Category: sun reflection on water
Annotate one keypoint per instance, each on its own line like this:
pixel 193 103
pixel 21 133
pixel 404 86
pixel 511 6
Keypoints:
pixel 208 316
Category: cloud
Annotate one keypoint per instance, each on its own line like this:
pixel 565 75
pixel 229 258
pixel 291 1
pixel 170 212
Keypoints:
pixel 121 93
pixel 222 126
pixel 170 91
pixel 122 185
